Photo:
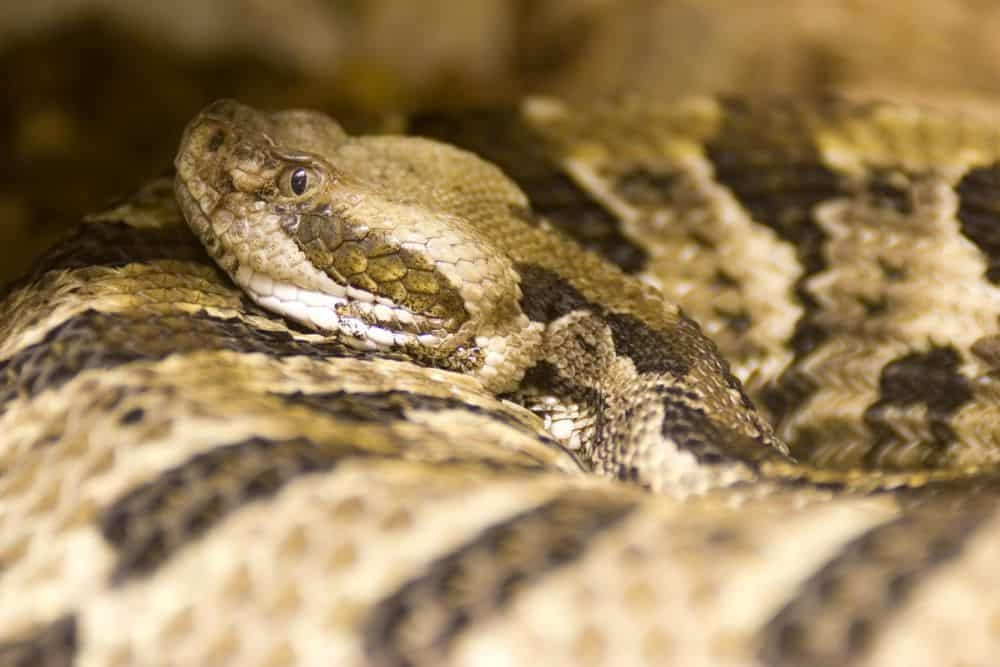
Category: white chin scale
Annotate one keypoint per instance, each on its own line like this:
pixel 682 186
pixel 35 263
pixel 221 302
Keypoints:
pixel 319 310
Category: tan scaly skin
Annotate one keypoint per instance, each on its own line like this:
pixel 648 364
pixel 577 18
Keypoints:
pixel 366 439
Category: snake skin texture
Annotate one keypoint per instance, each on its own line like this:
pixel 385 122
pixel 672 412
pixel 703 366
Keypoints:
pixel 708 383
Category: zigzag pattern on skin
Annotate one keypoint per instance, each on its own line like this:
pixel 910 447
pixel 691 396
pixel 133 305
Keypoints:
pixel 840 254
pixel 188 479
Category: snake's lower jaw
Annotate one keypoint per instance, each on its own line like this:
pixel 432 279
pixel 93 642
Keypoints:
pixel 351 314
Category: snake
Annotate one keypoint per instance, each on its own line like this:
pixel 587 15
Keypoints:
pixel 705 382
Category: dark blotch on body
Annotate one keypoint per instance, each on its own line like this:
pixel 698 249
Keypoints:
pixel 388 406
pixel 767 157
pixel 133 416
pixel 889 189
pixel 96 340
pixel 894 558
pixel 455 592
pixel 646 189
pixel 979 213
pixel 546 296
pixel 148 524
pixel 931 378
pixel 738 322
pixel 544 379
pixel 690 428
pixel 115 244
pixel 52 645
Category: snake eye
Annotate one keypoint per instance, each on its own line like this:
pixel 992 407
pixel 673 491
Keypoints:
pixel 299 180
pixel 295 181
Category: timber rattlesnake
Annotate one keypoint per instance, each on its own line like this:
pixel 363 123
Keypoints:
pixel 375 449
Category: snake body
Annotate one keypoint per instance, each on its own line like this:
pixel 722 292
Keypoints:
pixel 709 383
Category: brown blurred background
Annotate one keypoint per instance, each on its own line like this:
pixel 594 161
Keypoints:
pixel 97 91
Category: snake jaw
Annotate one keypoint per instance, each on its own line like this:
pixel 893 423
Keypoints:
pixel 332 312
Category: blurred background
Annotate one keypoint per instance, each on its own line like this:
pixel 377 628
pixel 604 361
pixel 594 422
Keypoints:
pixel 95 92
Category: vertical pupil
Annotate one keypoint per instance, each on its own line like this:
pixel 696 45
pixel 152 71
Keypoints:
pixel 299 180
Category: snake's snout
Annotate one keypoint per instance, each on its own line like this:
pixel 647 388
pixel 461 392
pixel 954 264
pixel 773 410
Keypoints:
pixel 213 134
pixel 204 138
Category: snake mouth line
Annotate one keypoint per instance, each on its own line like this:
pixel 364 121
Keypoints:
pixel 327 312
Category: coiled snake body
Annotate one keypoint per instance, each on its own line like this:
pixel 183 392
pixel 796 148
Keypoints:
pixel 396 402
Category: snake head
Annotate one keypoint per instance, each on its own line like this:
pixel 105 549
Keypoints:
pixel 341 234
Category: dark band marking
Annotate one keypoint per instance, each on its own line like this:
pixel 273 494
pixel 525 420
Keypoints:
pixel 544 379
pixel 767 158
pixel 692 430
pixel 418 624
pixel 53 645
pixel 115 244
pixel 94 340
pixel 738 322
pixel 684 423
pixel 889 189
pixel 932 379
pixel 387 406
pixel 644 188
pixel 779 194
pixel 152 522
pixel 838 612
pixel 650 351
pixel 979 213
pixel 546 296
pixel 503 139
